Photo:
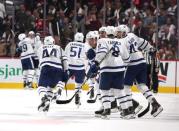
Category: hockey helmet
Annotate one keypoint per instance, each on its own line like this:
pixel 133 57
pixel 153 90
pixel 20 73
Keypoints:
pixel 21 36
pixel 90 35
pixel 110 30
pixel 123 28
pixel 79 37
pixel 102 29
pixel 49 40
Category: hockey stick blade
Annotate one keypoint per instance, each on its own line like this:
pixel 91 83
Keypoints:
pixel 92 100
pixel 66 101
pixel 144 111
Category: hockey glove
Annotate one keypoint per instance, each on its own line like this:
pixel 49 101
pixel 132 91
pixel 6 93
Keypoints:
pixel 18 50
pixel 93 69
pixel 91 54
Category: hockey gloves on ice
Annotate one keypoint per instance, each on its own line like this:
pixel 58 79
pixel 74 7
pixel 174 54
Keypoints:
pixel 91 54
pixel 93 69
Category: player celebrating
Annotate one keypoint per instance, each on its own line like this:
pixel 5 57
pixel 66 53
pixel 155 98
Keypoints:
pixel 75 52
pixel 27 56
pixel 52 73
pixel 36 46
pixel 136 70
pixel 110 58
pixel 90 47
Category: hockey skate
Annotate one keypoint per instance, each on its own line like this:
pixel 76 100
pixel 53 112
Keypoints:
pixel 136 106
pixel 29 85
pixel 46 109
pixel 156 108
pixel 99 112
pixel 25 84
pixel 56 96
pixel 77 99
pixel 45 103
pixel 114 107
pixel 127 114
pixel 106 113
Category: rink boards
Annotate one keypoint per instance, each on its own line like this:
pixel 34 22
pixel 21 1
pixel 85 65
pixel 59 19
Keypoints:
pixel 11 76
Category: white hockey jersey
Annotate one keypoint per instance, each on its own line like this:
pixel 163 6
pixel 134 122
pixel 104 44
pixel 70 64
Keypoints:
pixel 118 57
pixel 37 44
pixel 27 49
pixel 75 52
pixel 52 55
pixel 134 45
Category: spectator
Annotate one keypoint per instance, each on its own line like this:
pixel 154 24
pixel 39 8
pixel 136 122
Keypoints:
pixel 2 16
pixel 8 39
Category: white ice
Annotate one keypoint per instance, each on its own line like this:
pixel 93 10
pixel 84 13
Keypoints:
pixel 18 112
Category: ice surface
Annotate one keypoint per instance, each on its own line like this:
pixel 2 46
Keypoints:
pixel 18 112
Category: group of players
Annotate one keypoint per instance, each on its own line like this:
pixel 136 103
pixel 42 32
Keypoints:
pixel 115 62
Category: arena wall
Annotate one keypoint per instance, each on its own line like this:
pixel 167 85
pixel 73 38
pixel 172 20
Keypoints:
pixel 11 76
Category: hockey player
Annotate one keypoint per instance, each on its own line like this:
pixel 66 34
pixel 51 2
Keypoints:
pixel 90 46
pixel 114 107
pixel 91 43
pixel 136 70
pixel 75 52
pixel 112 70
pixel 36 45
pixel 52 73
pixel 27 56
pixel 102 32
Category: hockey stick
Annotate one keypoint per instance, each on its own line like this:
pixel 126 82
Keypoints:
pixel 151 72
pixel 90 90
pixel 93 100
pixel 69 100
pixel 144 111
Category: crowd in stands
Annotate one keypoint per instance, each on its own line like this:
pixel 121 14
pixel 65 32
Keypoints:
pixel 141 16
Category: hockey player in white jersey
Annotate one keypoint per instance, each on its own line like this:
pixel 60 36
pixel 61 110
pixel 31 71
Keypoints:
pixel 53 71
pixel 36 45
pixel 90 47
pixel 111 71
pixel 75 52
pixel 27 56
pixel 136 70
pixel 102 32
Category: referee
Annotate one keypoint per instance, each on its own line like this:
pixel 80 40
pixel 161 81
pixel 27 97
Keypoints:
pixel 153 65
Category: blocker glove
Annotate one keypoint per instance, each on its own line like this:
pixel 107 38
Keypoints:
pixel 91 54
pixel 93 69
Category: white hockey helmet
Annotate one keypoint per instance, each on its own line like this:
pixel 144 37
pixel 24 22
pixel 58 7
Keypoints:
pixel 49 40
pixel 31 33
pixel 110 30
pixel 102 29
pixel 123 28
pixel 90 35
pixel 21 36
pixel 79 37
